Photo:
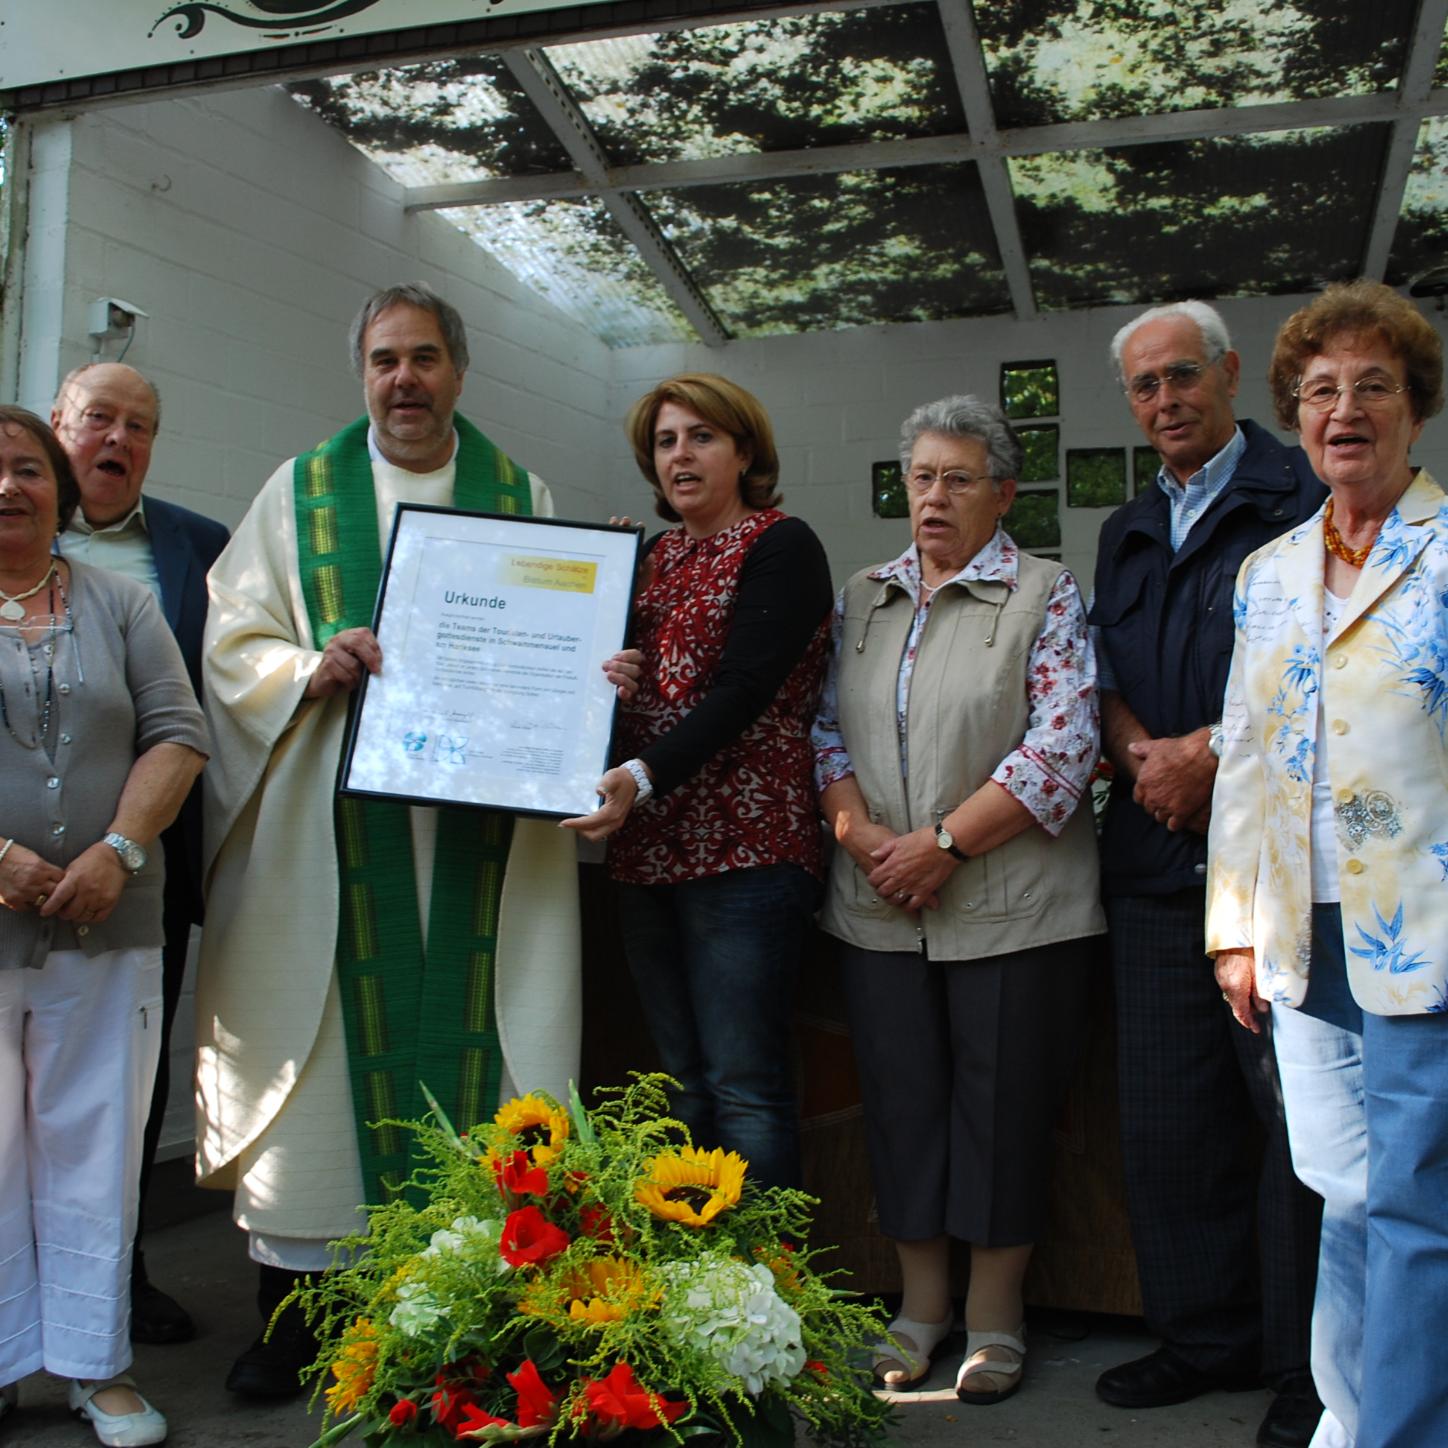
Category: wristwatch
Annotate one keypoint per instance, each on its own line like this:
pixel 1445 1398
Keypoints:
pixel 133 857
pixel 946 840
pixel 1214 738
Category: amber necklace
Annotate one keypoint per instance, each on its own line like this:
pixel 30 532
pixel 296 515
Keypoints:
pixel 1354 557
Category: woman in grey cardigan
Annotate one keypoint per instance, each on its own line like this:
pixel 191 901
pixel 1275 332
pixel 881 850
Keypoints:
pixel 100 740
pixel 957 733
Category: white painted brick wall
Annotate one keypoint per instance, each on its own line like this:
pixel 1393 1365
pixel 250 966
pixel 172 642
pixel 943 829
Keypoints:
pixel 837 402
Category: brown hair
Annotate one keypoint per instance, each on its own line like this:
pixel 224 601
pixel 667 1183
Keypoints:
pixel 722 404
pixel 1358 308
pixel 67 490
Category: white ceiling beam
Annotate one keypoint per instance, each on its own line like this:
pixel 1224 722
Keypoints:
pixel 1414 87
pixel 540 82
pixel 962 41
pixel 930 150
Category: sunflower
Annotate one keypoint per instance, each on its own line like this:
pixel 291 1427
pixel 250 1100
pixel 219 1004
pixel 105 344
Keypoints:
pixel 354 1367
pixel 690 1185
pixel 540 1126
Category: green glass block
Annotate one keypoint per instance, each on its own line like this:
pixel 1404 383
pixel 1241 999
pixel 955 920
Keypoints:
pixel 1030 389
pixel 1034 520
pixel 1043 453
pixel 1095 477
pixel 1145 465
pixel 888 496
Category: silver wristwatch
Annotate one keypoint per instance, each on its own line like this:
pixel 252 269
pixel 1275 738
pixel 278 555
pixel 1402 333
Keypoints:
pixel 946 841
pixel 133 857
pixel 1214 738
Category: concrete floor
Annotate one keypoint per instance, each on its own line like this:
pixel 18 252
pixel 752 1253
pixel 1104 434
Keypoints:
pixel 202 1262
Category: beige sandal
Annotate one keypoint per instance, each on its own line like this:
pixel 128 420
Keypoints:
pixel 976 1364
pixel 908 1350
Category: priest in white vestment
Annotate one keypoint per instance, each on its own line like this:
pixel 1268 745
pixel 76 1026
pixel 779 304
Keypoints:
pixel 279 1112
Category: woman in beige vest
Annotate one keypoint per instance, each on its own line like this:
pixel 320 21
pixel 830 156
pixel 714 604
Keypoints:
pixel 956 738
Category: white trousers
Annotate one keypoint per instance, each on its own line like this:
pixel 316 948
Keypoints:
pixel 79 1043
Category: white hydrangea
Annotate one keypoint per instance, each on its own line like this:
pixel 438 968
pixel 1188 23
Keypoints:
pixel 732 1312
pixel 418 1309
pixel 465 1233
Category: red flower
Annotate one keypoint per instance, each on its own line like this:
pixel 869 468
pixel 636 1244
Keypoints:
pixel 529 1237
pixel 815 1366
pixel 594 1221
pixel 404 1411
pixel 517 1176
pixel 450 1405
pixel 619 1401
pixel 535 1402
pixel 474 1419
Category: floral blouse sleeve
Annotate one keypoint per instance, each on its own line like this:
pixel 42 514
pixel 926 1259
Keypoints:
pixel 831 758
pixel 1051 767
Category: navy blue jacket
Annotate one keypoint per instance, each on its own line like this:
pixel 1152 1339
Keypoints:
pixel 184 545
pixel 1166 630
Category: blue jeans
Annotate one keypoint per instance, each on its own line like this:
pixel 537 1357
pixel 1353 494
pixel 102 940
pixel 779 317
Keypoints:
pixel 1368 1119
pixel 716 962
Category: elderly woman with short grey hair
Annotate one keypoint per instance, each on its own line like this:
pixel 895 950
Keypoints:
pixel 956 738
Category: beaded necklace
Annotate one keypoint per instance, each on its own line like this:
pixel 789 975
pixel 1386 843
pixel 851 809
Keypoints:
pixel 1333 540
pixel 43 705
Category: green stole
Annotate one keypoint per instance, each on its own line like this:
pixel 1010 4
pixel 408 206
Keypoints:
pixel 411 1016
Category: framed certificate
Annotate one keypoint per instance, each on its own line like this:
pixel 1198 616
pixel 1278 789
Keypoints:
pixel 492 631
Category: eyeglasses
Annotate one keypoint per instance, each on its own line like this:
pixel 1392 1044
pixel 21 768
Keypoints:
pixel 1370 391
pixel 1182 376
pixel 955 482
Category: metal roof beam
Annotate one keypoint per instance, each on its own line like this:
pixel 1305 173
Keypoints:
pixel 1414 88
pixel 542 85
pixel 967 59
pixel 928 150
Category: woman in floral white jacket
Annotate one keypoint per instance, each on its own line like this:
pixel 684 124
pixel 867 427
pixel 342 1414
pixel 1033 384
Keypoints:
pixel 1328 886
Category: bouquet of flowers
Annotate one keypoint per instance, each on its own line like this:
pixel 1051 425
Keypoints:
pixel 567 1274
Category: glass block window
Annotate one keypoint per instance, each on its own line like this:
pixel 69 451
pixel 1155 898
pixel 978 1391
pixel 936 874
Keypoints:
pixel 888 496
pixel 1145 465
pixel 1043 453
pixel 1034 520
pixel 1095 477
pixel 1030 389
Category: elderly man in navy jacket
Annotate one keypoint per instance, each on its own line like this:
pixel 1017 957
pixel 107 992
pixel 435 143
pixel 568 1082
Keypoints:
pixel 1225 1236
pixel 106 416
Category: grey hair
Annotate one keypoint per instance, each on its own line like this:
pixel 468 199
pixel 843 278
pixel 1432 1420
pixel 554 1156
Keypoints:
pixel 1208 320
pixel 411 294
pixel 964 416
pixel 76 373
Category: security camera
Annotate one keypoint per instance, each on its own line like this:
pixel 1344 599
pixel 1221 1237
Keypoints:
pixel 111 317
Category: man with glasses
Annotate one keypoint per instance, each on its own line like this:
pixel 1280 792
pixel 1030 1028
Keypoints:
pixel 1225 1235
pixel 106 416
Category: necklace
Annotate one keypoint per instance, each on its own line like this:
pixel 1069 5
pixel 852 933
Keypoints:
pixel 12 610
pixel 1332 539
pixel 42 705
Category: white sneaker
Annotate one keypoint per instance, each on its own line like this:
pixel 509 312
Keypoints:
pixel 116 1430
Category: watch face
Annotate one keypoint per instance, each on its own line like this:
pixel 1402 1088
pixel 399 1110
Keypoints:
pixel 943 837
pixel 133 857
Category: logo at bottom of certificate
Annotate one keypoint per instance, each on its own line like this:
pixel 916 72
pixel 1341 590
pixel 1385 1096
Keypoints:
pixel 414 742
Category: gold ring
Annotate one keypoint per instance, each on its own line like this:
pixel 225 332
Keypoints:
pixel 1226 998
pixel 40 900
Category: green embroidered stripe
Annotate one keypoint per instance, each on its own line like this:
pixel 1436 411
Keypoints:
pixel 371 1008
pixel 480 991
pixel 351 837
pixel 408 1015
pixel 324 530
pixel 361 922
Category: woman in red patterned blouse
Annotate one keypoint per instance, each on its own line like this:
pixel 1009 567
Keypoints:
pixel 717 850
